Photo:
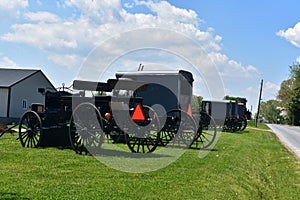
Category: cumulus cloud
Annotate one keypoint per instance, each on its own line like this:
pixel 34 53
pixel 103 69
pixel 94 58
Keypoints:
pixel 42 16
pixel 98 12
pixel 291 34
pixel 298 60
pixel 10 10
pixel 11 5
pixel 232 69
pixel 66 60
pixel 97 21
pixel 271 89
pixel 165 10
pixel 67 40
pixel 6 62
pixel 44 36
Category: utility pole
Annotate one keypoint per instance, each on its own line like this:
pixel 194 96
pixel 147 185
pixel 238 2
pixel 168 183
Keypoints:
pixel 258 108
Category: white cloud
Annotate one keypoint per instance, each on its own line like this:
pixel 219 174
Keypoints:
pixel 66 60
pixel 39 2
pixel 44 36
pixel 271 89
pixel 98 21
pixel 170 13
pixel 6 62
pixel 291 34
pixel 128 5
pixel 298 60
pixel 11 5
pixel 42 16
pixel 230 69
pixel 98 12
pixel 66 41
pixel 10 10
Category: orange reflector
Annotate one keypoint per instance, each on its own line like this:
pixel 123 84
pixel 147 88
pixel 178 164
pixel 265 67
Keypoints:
pixel 138 114
pixel 107 115
pixel 190 110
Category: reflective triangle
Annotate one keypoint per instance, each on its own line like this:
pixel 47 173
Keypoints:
pixel 138 114
pixel 190 110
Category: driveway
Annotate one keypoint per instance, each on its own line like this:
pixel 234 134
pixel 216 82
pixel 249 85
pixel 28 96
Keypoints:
pixel 289 135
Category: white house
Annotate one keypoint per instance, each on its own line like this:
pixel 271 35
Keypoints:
pixel 18 90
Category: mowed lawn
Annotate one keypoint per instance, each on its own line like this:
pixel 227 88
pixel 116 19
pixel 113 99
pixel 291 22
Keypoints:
pixel 248 165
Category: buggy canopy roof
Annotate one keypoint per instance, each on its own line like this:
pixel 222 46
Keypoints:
pixel 187 75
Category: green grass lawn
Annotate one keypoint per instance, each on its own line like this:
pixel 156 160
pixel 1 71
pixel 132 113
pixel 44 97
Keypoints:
pixel 247 165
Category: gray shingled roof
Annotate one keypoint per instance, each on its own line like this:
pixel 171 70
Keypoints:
pixel 9 77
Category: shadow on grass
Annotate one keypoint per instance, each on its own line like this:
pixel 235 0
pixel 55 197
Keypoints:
pixel 124 154
pixel 237 132
pixel 11 196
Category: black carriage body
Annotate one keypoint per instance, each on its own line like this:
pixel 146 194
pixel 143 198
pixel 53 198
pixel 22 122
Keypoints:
pixel 169 89
pixel 227 113
pixel 170 93
pixel 121 102
pixel 242 110
pixel 218 110
pixel 55 118
pixel 116 113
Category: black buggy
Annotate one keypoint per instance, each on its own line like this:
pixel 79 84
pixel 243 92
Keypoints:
pixel 143 109
pixel 229 115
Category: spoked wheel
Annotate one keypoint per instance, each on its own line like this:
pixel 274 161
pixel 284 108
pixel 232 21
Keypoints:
pixel 85 133
pixel 231 125
pixel 30 129
pixel 243 124
pixel 235 126
pixel 146 135
pixel 182 127
pixel 166 135
pixel 207 132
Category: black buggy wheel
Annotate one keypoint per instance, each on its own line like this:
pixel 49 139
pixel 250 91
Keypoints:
pixel 146 135
pixel 30 129
pixel 166 135
pixel 206 133
pixel 85 133
pixel 179 130
pixel 243 124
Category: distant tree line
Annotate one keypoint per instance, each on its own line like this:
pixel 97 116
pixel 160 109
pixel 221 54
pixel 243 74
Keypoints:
pixel 286 108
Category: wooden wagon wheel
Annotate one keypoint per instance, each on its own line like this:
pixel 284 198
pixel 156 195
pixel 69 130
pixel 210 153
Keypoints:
pixel 167 134
pixel 231 125
pixel 179 130
pixel 235 126
pixel 206 133
pixel 30 129
pixel 85 133
pixel 243 124
pixel 145 138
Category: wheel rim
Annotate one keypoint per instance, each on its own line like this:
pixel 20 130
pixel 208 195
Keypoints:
pixel 85 133
pixel 206 133
pixel 181 128
pixel 145 138
pixel 166 135
pixel 30 130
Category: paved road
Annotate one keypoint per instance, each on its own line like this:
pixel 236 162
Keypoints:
pixel 289 135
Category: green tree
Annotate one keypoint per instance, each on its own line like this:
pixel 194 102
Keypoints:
pixel 289 94
pixel 285 92
pixel 295 99
pixel 196 103
pixel 270 110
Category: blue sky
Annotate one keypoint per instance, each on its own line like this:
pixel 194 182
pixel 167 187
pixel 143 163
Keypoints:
pixel 247 40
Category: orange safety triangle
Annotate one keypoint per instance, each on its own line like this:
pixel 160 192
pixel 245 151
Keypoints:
pixel 138 114
pixel 190 110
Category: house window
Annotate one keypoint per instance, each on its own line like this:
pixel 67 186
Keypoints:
pixel 24 104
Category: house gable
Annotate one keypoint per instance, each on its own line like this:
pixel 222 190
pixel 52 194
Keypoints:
pixel 25 92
